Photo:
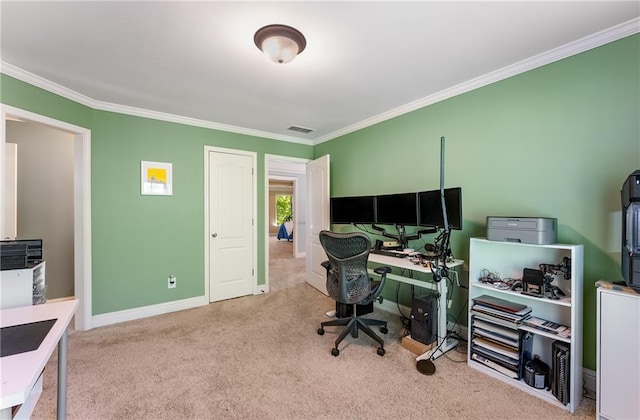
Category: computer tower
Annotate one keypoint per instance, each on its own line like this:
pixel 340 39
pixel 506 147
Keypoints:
pixel 560 386
pixel 424 318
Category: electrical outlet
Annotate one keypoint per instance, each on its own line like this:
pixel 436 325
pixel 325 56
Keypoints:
pixel 171 282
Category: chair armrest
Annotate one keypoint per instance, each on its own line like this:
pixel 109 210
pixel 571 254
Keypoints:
pixel 382 270
pixel 377 286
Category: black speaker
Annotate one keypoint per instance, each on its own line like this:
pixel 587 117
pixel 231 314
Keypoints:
pixel 424 318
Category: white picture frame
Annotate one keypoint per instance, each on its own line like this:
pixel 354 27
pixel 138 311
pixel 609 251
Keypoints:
pixel 156 178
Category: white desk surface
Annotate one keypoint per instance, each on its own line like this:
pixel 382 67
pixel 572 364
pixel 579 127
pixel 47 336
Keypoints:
pixel 406 263
pixel 19 372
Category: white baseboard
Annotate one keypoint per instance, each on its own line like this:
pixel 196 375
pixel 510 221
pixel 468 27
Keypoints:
pixel 260 289
pixel 588 375
pixel 147 311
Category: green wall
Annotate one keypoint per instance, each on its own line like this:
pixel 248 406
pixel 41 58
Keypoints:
pixel 28 97
pixel 557 141
pixel 137 241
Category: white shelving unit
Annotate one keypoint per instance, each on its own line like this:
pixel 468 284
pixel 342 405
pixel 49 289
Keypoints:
pixel 508 259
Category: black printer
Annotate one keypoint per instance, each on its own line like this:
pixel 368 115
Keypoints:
pixel 630 195
pixel 20 253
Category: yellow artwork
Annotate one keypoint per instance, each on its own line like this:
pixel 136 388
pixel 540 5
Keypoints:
pixel 157 175
pixel 156 178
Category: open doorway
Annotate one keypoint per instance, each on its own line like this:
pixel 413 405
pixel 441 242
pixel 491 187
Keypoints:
pixel 281 216
pixel 81 196
pixel 43 197
pixel 284 176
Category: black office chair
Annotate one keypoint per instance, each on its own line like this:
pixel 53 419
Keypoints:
pixel 348 282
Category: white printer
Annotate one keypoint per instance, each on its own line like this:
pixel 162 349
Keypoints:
pixel 527 230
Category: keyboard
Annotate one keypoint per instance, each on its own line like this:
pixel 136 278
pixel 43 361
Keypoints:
pixel 389 253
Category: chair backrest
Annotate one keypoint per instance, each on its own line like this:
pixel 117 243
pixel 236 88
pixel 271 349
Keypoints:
pixel 347 277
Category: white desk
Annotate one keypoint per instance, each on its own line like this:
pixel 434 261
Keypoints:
pixel 19 373
pixel 443 344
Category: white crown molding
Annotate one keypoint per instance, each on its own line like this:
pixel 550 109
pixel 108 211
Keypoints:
pixel 576 47
pixel 37 81
pixel 139 112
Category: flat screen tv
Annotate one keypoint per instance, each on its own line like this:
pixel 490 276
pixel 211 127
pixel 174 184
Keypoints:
pixel 397 209
pixel 431 208
pixel 346 210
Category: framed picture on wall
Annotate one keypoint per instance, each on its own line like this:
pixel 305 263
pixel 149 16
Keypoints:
pixel 156 178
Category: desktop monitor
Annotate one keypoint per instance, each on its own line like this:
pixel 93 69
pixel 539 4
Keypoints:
pixel 431 208
pixel 397 209
pixel 346 210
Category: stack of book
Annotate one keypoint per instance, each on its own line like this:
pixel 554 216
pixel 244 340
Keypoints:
pixel 501 309
pixel 497 341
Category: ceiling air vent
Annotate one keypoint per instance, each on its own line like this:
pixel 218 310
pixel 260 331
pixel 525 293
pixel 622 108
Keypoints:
pixel 300 129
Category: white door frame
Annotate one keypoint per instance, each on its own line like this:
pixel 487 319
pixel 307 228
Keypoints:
pixel 81 207
pixel 296 196
pixel 254 213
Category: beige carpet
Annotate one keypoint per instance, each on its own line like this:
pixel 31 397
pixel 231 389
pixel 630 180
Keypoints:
pixel 259 357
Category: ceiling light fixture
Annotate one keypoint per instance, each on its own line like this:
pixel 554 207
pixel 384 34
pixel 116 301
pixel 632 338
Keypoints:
pixel 281 43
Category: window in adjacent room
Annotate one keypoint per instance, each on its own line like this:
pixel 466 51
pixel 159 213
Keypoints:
pixel 284 208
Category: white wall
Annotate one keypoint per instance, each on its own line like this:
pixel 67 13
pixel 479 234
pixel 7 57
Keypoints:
pixel 45 198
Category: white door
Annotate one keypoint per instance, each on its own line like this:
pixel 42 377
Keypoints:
pixel 317 220
pixel 231 225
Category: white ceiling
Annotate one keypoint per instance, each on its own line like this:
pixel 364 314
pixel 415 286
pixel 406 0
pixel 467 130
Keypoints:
pixel 364 61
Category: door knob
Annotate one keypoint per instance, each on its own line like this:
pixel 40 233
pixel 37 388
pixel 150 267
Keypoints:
pixel 214 235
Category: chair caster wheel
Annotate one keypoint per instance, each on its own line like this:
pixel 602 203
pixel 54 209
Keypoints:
pixel 335 352
pixel 384 330
pixel 381 351
pixel 320 331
